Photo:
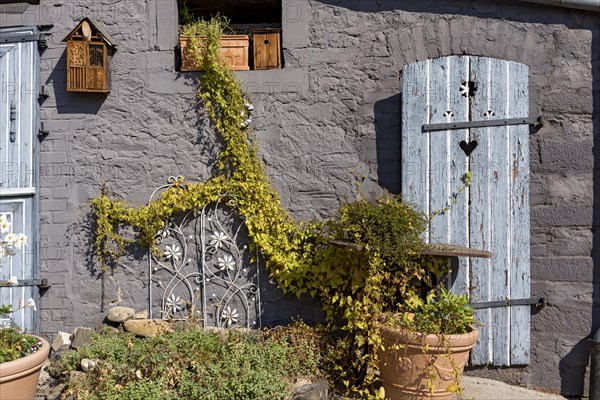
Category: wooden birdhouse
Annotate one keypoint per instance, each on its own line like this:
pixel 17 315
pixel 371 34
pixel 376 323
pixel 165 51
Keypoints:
pixel 89 51
pixel 267 48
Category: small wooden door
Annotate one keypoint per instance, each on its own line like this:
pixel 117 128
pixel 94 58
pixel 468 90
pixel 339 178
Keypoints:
pixel 474 185
pixel 19 77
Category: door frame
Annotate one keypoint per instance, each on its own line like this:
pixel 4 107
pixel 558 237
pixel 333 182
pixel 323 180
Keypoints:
pixel 23 35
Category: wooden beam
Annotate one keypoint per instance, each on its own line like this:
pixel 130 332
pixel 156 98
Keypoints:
pixel 436 250
pixel 453 250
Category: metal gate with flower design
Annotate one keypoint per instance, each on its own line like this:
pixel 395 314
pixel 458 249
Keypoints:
pixel 204 270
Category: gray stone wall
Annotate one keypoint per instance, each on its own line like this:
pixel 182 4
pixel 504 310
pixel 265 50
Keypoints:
pixel 332 111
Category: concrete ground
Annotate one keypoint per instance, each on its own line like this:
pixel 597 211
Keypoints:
pixel 487 389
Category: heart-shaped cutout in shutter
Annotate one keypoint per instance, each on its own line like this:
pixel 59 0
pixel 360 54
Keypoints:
pixel 468 147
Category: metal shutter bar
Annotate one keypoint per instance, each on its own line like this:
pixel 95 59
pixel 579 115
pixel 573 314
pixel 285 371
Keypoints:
pixel 536 301
pixel 40 283
pixel 482 124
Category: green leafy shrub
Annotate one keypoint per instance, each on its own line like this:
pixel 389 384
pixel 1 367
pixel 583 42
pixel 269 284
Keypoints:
pixel 191 364
pixel 441 313
pixel 14 344
pixel 389 232
pixel 387 226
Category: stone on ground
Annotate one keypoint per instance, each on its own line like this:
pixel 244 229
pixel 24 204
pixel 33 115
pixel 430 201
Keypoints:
pixel 56 392
pixel 62 341
pixel 81 337
pixel 305 390
pixel 120 314
pixel 146 327
pixel 88 364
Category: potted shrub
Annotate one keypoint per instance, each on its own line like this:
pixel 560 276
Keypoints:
pixel 21 355
pixel 366 257
pixel 424 349
pixel 408 340
pixel 192 42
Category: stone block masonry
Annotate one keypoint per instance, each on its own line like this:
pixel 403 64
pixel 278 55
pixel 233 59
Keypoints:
pixel 332 110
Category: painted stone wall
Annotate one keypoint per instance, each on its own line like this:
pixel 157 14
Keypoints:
pixel 331 114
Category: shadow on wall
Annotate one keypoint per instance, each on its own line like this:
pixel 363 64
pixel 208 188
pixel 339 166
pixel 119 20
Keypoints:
pixel 72 102
pixel 572 367
pixel 388 141
pixel 596 175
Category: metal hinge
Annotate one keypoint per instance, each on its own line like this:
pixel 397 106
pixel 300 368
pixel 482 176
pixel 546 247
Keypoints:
pixel 482 124
pixel 532 301
pixel 40 283
pixel 43 132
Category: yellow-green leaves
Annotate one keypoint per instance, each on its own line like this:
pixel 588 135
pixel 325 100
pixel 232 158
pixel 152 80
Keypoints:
pixel 354 286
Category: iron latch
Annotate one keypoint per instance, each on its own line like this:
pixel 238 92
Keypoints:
pixel 483 124
pixel 13 127
pixel 532 301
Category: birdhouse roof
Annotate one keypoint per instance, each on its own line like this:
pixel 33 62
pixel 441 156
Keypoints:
pixel 97 26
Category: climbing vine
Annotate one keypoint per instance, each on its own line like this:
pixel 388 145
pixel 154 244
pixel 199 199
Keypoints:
pixel 240 172
pixel 354 283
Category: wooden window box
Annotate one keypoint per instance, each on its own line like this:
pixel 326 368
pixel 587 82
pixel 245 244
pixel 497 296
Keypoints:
pixel 267 48
pixel 233 47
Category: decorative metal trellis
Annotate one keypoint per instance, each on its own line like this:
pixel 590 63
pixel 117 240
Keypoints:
pixel 203 270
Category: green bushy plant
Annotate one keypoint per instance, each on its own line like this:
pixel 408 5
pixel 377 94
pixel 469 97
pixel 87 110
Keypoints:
pixel 440 313
pixel 14 344
pixel 190 363
pixel 389 233
pixel 185 15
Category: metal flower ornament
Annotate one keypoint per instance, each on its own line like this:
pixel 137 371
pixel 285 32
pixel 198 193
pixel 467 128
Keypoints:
pixel 10 244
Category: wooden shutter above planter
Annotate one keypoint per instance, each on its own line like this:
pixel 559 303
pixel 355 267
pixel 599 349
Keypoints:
pixel 492 213
pixel 89 52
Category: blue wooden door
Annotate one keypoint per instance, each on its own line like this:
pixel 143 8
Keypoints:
pixel 473 183
pixel 18 143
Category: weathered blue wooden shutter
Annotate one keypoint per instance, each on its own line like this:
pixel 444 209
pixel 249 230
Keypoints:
pixel 19 82
pixel 492 213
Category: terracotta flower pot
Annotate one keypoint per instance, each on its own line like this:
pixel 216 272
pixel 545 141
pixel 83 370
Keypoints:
pixel 19 378
pixel 411 360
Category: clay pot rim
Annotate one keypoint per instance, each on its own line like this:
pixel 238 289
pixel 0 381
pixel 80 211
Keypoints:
pixel 434 340
pixel 23 364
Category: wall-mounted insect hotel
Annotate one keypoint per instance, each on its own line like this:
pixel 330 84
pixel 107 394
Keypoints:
pixel 89 51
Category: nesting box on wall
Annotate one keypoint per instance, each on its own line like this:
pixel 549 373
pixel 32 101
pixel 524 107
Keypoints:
pixel 89 51
pixel 267 48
